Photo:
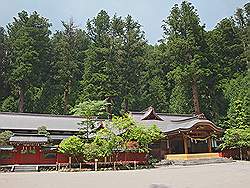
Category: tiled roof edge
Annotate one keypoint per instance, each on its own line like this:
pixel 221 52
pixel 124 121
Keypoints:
pixel 167 114
pixel 40 115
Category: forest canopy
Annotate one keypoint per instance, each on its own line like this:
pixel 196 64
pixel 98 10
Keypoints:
pixel 190 70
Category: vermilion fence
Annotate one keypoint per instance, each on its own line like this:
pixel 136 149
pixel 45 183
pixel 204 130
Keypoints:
pixel 236 153
pixel 52 157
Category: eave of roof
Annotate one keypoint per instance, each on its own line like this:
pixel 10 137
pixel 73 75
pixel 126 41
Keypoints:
pixel 26 138
pixel 174 123
pixel 23 121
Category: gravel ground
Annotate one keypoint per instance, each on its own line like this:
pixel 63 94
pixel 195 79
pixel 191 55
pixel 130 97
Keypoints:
pixel 224 175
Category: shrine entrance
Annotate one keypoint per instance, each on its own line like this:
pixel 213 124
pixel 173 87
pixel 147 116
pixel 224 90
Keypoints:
pixel 197 139
pixel 27 148
pixel 27 154
pixel 198 147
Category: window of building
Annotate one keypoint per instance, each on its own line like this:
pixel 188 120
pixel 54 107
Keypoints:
pixel 6 155
pixel 32 151
pixel 49 155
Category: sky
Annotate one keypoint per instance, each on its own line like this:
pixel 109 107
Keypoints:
pixel 149 13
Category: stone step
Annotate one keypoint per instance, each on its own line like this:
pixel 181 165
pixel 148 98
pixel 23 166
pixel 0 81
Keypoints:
pixel 192 156
pixel 167 162
pixel 202 161
pixel 25 168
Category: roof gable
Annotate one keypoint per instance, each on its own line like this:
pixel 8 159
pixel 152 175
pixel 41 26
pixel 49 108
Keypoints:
pixel 150 114
pixel 171 122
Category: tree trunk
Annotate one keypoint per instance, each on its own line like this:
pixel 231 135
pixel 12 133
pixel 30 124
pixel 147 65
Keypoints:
pixel 241 156
pixel 195 97
pixel 126 105
pixel 66 96
pixel 21 100
pixel 109 107
pixel 66 100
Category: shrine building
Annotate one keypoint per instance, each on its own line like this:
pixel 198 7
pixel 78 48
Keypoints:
pixel 184 135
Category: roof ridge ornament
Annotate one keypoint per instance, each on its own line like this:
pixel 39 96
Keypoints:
pixel 150 114
pixel 201 116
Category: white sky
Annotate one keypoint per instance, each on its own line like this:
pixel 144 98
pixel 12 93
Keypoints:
pixel 149 13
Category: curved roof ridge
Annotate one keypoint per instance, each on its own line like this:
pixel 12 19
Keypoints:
pixel 166 114
pixel 182 120
pixel 39 115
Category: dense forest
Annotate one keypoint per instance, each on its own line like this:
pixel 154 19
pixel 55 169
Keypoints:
pixel 190 70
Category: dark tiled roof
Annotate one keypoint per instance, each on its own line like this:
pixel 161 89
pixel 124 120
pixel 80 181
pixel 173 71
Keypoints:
pixel 151 114
pixel 166 122
pixel 172 122
pixel 6 148
pixel 29 138
pixel 59 137
pixel 23 121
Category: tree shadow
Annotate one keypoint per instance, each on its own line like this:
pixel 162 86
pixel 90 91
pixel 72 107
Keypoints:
pixel 158 186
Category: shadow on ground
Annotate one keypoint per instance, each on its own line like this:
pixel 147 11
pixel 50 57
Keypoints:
pixel 158 186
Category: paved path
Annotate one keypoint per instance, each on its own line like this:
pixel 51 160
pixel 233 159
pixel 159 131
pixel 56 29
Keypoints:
pixel 227 175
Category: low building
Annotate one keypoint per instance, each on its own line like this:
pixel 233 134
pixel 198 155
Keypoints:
pixel 27 147
pixel 183 134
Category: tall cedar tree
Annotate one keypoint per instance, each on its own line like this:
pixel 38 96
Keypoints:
pixel 153 86
pixel 98 56
pixel 69 46
pixel 186 47
pixel 29 51
pixel 114 58
pixel 132 59
pixel 3 65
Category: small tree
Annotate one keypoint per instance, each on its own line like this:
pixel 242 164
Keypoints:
pixel 90 151
pixel 107 141
pixel 5 137
pixel 72 146
pixel 103 145
pixel 236 138
pixel 132 131
pixel 89 110
pixel 238 133
pixel 43 131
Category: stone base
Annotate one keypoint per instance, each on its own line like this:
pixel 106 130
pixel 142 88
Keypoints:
pixel 192 156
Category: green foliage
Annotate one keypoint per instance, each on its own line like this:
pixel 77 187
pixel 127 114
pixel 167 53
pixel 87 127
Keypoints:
pixel 123 122
pixel 43 131
pixel 237 134
pixel 237 95
pixel 29 49
pixel 9 105
pixel 68 46
pixel 5 137
pixel 116 51
pixel 73 146
pixel 114 136
pixel 89 110
pixel 103 145
pixel 132 131
pixel 180 100
pixel 186 48
pixel 236 138
pixel 45 73
pixel 237 115
pixel 153 85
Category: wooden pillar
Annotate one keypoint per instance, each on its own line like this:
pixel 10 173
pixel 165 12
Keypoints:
pixel 209 144
pixel 168 146
pixel 185 144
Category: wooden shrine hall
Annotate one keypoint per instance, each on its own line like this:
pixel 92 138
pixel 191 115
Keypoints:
pixel 185 134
